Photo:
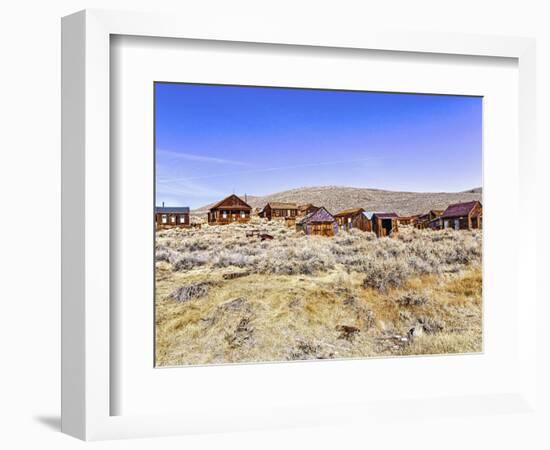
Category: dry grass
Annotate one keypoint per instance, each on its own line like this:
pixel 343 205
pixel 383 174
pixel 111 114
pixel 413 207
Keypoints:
pixel 311 298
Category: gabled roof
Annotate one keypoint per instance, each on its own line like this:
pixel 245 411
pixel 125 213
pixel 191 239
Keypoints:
pixel 281 205
pixel 319 215
pixel 385 215
pixel 172 209
pixel 350 211
pixel 368 214
pixel 221 202
pixel 460 209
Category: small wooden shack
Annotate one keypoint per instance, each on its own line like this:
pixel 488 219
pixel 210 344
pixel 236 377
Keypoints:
pixel 384 223
pixel 319 222
pixel 463 216
pixel 407 220
pixel 169 217
pixel 280 211
pixel 353 218
pixel 229 210
pixel 428 220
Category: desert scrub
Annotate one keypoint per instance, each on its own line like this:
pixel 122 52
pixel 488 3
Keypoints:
pixel 191 291
pixel 386 262
pixel 383 274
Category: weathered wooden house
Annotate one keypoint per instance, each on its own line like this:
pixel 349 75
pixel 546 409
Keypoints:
pixel 319 222
pixel 229 210
pixel 169 217
pixel 280 211
pixel 353 218
pixel 407 220
pixel 428 220
pixel 304 210
pixel 384 224
pixel 463 216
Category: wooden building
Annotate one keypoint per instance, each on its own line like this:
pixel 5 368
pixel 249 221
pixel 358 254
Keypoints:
pixel 407 220
pixel 304 210
pixel 428 220
pixel 169 217
pixel 319 222
pixel 463 216
pixel 280 211
pixel 384 224
pixel 229 210
pixel 354 218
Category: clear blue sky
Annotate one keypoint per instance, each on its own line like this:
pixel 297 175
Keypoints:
pixel 212 141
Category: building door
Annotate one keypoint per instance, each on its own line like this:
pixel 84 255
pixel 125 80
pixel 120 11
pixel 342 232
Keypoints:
pixel 457 224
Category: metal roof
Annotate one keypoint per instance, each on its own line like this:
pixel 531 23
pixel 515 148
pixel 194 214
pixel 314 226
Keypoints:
pixel 368 214
pixel 172 209
pixel 319 215
pixel 386 215
pixel 460 209
pixel 281 205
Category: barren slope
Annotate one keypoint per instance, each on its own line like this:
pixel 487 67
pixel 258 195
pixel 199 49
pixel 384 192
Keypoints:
pixel 337 198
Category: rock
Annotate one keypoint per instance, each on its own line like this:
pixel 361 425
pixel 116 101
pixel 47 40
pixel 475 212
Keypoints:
pixel 242 334
pixel 416 331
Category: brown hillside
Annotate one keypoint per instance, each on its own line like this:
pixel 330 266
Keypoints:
pixel 337 198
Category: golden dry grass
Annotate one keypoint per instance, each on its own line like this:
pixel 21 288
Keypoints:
pixel 278 317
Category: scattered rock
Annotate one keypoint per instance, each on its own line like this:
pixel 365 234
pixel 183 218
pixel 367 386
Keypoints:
pixel 306 350
pixel 191 291
pixel 392 342
pixel 416 331
pixel 242 334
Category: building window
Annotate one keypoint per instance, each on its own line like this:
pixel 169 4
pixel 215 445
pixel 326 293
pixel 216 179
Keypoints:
pixel 182 219
pixel 164 218
pixel 173 219
pixel 243 214
pixel 224 214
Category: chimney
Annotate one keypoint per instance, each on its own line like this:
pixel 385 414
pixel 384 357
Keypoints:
pixel 163 204
pixel 245 198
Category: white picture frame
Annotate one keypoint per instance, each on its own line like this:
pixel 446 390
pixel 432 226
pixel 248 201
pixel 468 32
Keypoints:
pixel 86 240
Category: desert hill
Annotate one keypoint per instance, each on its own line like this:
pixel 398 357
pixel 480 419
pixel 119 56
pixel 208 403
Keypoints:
pixel 337 198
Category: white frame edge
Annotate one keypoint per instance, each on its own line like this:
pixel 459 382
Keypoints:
pixel 86 173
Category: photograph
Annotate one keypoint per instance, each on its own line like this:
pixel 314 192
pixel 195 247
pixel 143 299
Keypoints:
pixel 297 224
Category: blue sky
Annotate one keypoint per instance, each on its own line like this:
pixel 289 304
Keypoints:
pixel 212 141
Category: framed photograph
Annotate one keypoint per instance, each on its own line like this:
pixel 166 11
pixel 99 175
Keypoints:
pixel 266 228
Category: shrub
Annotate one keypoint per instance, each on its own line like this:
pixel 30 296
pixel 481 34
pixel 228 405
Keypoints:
pixel 190 261
pixel 382 274
pixel 191 291
pixel 412 299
